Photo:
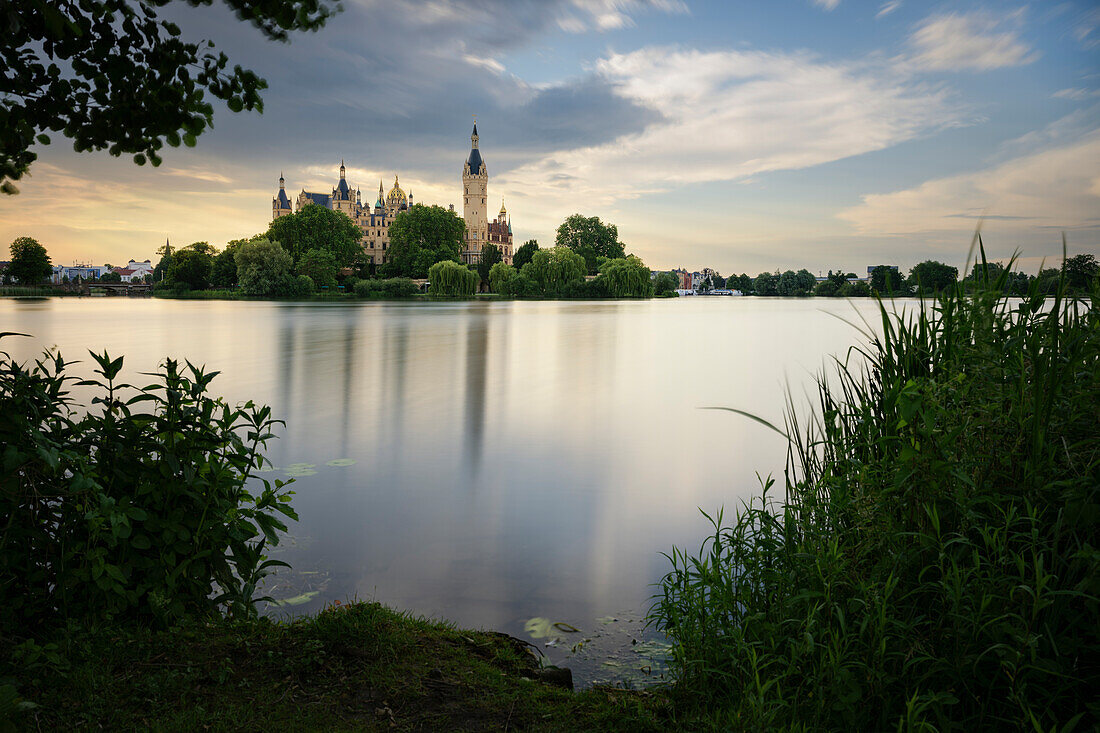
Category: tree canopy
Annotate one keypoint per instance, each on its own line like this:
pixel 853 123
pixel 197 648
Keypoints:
pixel 886 280
pixel 524 254
pixel 263 267
pixel 320 266
pixel 765 284
pixel 421 237
pixel 590 238
pixel 552 270
pixel 1082 271
pixel 490 255
pixel 192 267
pixel 318 227
pixel 627 277
pixel 30 263
pixel 931 276
pixel 111 75
pixel 450 278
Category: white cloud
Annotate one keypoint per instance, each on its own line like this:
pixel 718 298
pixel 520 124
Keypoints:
pixel 888 7
pixel 974 42
pixel 731 114
pixel 1076 94
pixel 1057 188
pixel 827 5
pixel 608 15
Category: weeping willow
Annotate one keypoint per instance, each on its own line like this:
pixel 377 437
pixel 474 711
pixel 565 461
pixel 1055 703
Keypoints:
pixel 448 278
pixel 627 277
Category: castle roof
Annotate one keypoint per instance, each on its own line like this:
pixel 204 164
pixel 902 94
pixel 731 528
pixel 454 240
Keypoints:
pixel 341 192
pixel 284 202
pixel 474 161
pixel 321 199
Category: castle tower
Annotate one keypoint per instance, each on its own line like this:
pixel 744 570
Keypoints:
pixel 342 198
pixel 280 205
pixel 475 182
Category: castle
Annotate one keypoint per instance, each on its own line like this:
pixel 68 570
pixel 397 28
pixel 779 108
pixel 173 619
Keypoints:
pixel 375 223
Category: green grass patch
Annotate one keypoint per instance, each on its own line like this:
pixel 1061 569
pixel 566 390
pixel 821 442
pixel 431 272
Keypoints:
pixel 359 666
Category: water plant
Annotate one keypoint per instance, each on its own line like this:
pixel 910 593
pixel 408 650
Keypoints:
pixel 932 562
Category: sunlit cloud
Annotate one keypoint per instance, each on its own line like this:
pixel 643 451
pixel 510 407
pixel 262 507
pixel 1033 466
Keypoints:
pixel 726 115
pixel 974 42
pixel 887 8
pixel 1055 189
pixel 827 5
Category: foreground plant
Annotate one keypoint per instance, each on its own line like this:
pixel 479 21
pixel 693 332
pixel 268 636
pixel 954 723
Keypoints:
pixel 136 509
pixel 934 562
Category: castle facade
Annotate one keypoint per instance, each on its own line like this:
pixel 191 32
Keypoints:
pixel 374 223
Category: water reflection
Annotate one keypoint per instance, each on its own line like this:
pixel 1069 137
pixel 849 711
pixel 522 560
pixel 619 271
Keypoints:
pixel 511 460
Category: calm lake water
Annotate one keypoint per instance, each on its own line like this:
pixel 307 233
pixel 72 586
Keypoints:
pixel 511 464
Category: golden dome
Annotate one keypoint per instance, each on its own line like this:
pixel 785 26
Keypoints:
pixel 396 197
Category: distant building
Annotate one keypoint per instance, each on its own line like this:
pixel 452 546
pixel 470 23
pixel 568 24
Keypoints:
pixel 84 272
pixel 134 271
pixel 375 223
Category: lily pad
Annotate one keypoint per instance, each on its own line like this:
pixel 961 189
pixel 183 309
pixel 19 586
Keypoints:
pixel 268 469
pixel 341 462
pixel 299 600
pixel 300 472
pixel 294 466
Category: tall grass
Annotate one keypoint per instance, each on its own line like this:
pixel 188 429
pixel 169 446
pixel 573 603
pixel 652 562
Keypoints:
pixel 935 561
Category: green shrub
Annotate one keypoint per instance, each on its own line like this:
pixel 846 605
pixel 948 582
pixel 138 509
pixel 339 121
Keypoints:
pixel 394 287
pixel 399 287
pixel 135 509
pixel 934 562
pixel 450 279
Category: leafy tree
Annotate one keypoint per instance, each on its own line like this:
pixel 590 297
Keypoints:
pixel 787 284
pixel 320 266
pixel 501 276
pixel 191 267
pixel 838 278
pixel 855 289
pixel 490 255
pixel 224 272
pixel 931 276
pixel 765 284
pixel 160 272
pixel 421 237
pixel 203 248
pixel 588 235
pixel 263 267
pixel 627 277
pixel 806 281
pixel 885 280
pixel 665 283
pixel 553 269
pixel 524 254
pixel 109 74
pixel 983 272
pixel 318 227
pixel 826 289
pixel 110 277
pixel 1048 278
pixel 744 284
pixel 30 263
pixel 1082 271
pixel 449 278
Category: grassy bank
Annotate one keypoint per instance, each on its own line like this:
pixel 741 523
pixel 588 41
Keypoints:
pixel 931 560
pixel 354 667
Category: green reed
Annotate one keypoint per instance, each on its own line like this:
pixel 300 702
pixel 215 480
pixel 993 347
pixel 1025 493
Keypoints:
pixel 934 562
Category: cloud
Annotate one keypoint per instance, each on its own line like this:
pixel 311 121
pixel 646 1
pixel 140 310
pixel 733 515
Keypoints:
pixel 827 5
pixel 887 8
pixel 956 42
pixel 726 115
pixel 1076 94
pixel 1055 189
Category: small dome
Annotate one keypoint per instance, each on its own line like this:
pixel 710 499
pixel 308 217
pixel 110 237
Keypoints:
pixel 396 197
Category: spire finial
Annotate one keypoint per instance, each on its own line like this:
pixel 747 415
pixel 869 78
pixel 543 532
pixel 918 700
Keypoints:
pixel 341 169
pixel 473 135
pixel 282 180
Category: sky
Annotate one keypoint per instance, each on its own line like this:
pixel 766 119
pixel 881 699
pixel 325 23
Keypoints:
pixel 746 137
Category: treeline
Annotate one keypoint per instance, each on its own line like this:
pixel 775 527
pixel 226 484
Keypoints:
pixel 319 249
pixel 928 278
